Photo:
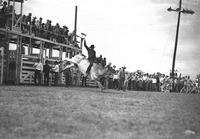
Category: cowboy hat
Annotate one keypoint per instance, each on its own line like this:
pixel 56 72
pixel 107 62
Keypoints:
pixel 92 46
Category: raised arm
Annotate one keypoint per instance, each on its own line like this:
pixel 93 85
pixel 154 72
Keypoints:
pixel 68 66
pixel 85 45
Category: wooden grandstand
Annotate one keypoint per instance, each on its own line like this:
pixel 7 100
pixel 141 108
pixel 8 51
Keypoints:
pixel 20 50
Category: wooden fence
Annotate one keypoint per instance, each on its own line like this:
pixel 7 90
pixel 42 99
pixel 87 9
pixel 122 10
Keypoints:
pixel 27 72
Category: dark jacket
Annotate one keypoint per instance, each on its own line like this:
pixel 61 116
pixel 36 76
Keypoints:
pixel 46 69
pixel 91 53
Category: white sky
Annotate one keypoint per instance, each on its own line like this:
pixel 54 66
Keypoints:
pixel 138 34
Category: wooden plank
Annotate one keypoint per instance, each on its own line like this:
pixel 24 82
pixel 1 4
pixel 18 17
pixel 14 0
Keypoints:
pixel 26 76
pixel 29 56
pixel 27 67
pixel 28 62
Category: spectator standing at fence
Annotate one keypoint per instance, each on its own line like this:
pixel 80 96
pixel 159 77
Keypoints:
pixel 84 81
pixel 46 71
pixel 67 73
pixel 38 70
pixel 75 76
pixel 116 80
pixel 154 83
pixel 158 82
pixel 121 78
pixel 126 79
pixel 55 70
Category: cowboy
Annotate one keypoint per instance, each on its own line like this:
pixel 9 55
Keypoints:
pixel 91 56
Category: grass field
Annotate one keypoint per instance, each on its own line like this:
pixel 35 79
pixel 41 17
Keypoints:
pixel 30 112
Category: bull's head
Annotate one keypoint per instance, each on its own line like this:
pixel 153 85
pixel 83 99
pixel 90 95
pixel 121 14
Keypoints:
pixel 76 59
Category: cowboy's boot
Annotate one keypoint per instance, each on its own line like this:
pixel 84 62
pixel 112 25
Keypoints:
pixel 88 69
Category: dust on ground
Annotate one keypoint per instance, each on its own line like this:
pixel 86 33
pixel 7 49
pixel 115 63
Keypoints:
pixel 85 113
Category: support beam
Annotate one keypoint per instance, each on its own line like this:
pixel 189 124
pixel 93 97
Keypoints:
pixel 50 52
pixel 60 58
pixel 18 60
pixel 30 49
pixel 41 51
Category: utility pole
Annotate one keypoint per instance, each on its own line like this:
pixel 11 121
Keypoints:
pixel 75 24
pixel 179 10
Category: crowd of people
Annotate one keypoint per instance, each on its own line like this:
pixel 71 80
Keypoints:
pixel 36 26
pixel 120 80
pixel 140 81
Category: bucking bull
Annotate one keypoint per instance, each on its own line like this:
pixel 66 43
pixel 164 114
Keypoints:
pixel 96 73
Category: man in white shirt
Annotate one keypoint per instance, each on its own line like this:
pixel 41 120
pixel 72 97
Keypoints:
pixel 38 70
pixel 56 71
pixel 115 80
pixel 154 84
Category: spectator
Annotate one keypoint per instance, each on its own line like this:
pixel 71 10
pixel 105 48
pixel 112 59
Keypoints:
pixel 75 76
pixel 3 9
pixel 66 35
pixel 121 78
pixel 66 31
pixel 33 23
pixel 28 19
pixel 103 63
pixel 157 83
pixel 46 71
pixel 126 79
pixel 84 81
pixel 3 15
pixel 55 70
pixel 38 70
pixel 40 23
pixel 67 73
pixel 99 59
pixel 116 80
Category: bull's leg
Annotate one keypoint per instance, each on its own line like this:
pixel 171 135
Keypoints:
pixel 100 86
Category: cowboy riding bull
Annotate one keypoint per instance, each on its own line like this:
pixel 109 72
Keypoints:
pixel 89 68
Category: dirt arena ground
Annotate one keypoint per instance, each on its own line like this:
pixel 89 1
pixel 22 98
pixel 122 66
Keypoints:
pixel 30 112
